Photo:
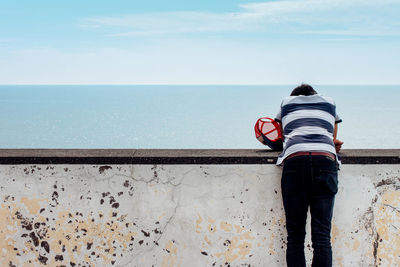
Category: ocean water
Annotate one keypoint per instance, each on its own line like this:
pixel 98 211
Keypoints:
pixel 169 116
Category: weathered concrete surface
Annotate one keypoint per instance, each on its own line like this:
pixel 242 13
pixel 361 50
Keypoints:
pixel 178 156
pixel 169 214
pixel 183 215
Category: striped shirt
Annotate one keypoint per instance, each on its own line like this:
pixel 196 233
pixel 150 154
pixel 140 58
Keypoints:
pixel 308 123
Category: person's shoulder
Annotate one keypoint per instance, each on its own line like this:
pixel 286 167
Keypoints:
pixel 327 99
pixel 289 100
pixel 302 99
pixel 311 99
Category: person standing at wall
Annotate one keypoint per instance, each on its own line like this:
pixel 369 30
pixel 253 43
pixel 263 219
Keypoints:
pixel 309 179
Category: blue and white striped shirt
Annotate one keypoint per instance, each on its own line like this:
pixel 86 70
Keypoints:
pixel 308 123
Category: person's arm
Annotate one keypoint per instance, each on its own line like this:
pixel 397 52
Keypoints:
pixel 337 142
pixel 278 119
pixel 335 131
pixel 281 129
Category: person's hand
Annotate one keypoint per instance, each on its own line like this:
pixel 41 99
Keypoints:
pixel 338 144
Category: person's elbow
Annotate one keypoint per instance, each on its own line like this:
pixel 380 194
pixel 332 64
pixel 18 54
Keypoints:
pixel 338 144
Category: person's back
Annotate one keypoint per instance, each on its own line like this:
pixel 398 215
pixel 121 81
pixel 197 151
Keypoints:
pixel 309 177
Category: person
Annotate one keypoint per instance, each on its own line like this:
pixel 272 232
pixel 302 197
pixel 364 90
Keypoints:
pixel 308 123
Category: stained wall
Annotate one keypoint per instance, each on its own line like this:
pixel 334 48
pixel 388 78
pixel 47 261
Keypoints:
pixel 183 215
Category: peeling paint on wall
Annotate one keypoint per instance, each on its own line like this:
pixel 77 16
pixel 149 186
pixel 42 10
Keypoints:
pixel 235 241
pixel 170 259
pixel 183 215
pixel 387 223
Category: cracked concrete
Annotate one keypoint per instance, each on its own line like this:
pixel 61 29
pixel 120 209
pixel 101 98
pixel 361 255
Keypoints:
pixel 183 215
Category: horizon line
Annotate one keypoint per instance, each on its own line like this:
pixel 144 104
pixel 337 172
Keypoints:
pixel 193 84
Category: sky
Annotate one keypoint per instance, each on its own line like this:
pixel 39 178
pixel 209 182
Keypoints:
pixel 200 42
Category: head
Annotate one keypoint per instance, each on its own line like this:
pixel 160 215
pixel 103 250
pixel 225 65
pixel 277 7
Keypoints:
pixel 303 89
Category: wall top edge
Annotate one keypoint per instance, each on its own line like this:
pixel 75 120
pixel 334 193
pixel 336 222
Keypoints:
pixel 178 156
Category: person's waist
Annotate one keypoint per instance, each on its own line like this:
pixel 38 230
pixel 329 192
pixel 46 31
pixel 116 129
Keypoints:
pixel 311 153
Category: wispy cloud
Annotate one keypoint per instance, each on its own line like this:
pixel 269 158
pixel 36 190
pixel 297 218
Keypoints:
pixel 176 22
pixel 297 6
pixel 330 17
pixel 356 32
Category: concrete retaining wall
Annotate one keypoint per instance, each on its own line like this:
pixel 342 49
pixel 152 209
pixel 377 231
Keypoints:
pixel 158 208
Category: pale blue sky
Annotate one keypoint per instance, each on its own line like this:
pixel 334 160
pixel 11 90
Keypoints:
pixel 200 42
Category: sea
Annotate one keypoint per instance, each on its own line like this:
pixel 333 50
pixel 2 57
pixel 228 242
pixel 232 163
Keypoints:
pixel 180 116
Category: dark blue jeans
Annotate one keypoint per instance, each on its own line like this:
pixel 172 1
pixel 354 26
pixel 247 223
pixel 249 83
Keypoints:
pixel 309 181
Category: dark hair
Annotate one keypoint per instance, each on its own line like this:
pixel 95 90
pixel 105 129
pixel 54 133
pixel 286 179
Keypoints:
pixel 303 89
